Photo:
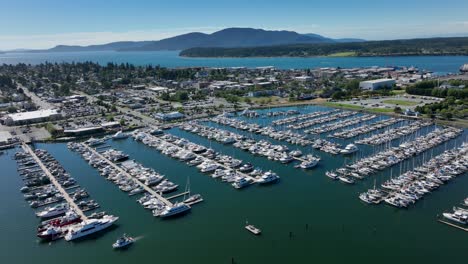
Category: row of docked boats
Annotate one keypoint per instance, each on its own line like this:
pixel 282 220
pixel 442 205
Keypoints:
pixel 302 117
pixel 395 155
pixel 225 167
pixel 269 131
pixel 341 124
pixel 59 220
pixel 357 131
pixel 280 153
pixel 320 120
pixel 411 186
pixel 394 133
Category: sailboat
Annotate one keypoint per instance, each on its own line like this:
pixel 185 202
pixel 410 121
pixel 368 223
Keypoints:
pixel 192 199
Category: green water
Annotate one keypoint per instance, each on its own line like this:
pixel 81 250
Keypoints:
pixel 327 221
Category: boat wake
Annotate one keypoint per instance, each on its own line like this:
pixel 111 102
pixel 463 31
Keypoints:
pixel 138 238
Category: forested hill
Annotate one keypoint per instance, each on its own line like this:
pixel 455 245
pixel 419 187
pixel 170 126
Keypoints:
pixel 428 46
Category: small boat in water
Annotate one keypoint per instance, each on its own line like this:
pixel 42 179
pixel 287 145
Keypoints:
pixel 123 242
pixel 252 229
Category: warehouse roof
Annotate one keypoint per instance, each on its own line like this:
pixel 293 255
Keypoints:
pixel 33 115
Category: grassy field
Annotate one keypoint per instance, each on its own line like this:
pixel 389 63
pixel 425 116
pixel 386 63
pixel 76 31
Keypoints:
pixel 399 102
pixel 343 54
pixel 357 107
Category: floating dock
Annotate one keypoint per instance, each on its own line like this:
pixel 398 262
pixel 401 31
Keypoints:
pixel 144 186
pixel 54 181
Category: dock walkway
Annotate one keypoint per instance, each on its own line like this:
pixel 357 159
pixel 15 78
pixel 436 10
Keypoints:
pixel 144 186
pixel 54 181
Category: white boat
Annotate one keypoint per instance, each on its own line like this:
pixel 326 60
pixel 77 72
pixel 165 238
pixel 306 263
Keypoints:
pixel 241 183
pixel 457 216
pixel 346 180
pixel 252 229
pixel 153 180
pixel 120 135
pixel 349 149
pixel 309 164
pixel 209 167
pixel 466 202
pixel 53 211
pixel 332 175
pixel 123 242
pixel 89 227
pixel 268 177
pixel 94 142
pixel 193 198
pixel 176 209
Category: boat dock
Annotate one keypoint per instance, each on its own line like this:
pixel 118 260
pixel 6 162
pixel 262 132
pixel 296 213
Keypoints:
pixel 247 176
pixel 144 186
pixel 54 181
pixel 453 225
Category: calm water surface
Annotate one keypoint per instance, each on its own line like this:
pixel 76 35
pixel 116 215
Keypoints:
pixel 437 64
pixel 328 222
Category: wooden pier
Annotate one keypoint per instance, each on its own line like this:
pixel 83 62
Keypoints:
pixel 144 186
pixel 55 182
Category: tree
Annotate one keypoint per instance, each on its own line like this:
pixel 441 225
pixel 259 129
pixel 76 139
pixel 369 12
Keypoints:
pixel 397 110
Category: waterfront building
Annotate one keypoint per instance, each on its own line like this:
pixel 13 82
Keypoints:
pixel 32 117
pixel 376 84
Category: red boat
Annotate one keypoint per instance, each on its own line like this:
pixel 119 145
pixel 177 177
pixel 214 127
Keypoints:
pixel 69 218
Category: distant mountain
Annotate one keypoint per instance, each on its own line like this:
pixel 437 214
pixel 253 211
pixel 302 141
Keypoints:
pixel 226 38
pixel 330 40
pixel 104 47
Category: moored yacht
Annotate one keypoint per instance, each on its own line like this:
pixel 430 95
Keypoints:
pixel 89 227
pixel 268 177
pixel 53 211
pixel 176 209
pixel 241 183
pixel 349 149
pixel 457 216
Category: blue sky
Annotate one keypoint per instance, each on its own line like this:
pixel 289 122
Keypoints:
pixel 45 23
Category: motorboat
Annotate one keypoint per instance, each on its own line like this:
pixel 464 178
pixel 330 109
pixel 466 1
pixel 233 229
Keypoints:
pixel 241 183
pixel 345 179
pixel 349 149
pixel 176 209
pixel 68 219
pixel 309 164
pixel 331 175
pixel 268 177
pixel 248 167
pixel 120 135
pixel 457 216
pixel 123 242
pixel 252 229
pixel 50 233
pixel 53 211
pixel 90 226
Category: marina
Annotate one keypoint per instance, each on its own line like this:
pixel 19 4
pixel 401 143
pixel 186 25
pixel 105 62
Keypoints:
pixel 176 153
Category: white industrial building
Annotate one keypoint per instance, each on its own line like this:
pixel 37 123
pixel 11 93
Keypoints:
pixel 376 84
pixel 31 117
pixel 169 116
